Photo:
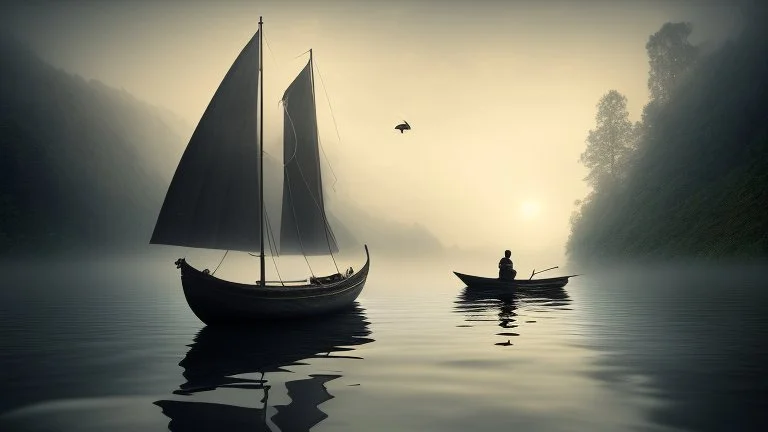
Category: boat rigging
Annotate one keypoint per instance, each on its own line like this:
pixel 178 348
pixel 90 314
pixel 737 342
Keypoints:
pixel 216 200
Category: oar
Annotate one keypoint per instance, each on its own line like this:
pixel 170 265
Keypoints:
pixel 537 272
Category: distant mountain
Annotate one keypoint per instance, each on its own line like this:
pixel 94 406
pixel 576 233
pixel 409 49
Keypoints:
pixel 379 233
pixel 77 166
pixel 86 166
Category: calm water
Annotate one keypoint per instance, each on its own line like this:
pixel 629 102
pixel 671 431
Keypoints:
pixel 111 345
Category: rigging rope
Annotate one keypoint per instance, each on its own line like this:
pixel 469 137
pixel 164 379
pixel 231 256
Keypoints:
pixel 328 99
pixel 326 226
pixel 269 231
pixel 222 260
pixel 301 54
pixel 295 138
pixel 290 193
pixel 270 156
pixel 322 149
pixel 271 251
pixel 296 221
pixel 319 143
pixel 330 251
pixel 335 125
pixel 271 54
pixel 335 179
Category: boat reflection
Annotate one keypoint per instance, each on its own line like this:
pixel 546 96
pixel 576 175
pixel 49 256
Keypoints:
pixel 241 358
pixel 502 307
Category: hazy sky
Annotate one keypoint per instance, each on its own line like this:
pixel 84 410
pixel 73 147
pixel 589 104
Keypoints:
pixel 500 95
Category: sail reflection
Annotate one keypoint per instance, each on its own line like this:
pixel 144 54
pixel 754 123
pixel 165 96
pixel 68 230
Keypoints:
pixel 502 307
pixel 242 358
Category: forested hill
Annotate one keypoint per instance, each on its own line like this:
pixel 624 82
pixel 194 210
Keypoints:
pixel 76 165
pixel 691 179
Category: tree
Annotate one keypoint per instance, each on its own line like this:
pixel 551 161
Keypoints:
pixel 670 55
pixel 610 143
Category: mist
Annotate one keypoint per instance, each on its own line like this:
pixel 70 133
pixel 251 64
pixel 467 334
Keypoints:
pixel 499 95
pixel 621 143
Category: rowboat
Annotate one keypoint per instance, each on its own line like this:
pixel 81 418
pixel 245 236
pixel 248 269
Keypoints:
pixel 484 283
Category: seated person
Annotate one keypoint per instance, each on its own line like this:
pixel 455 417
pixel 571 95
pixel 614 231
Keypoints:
pixel 506 269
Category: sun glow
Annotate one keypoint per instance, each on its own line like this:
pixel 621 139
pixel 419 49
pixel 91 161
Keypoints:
pixel 529 209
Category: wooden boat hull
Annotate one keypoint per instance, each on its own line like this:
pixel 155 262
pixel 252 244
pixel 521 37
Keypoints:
pixel 217 301
pixel 495 284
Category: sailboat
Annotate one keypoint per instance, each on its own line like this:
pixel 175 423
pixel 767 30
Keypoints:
pixel 216 201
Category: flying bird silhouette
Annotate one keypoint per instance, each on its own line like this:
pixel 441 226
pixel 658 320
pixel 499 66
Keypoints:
pixel 404 126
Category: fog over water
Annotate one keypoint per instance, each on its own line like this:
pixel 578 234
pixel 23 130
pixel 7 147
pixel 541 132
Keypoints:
pixel 500 95
pixel 96 332
pixel 111 344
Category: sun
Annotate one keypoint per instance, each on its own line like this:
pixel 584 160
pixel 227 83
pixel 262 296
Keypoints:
pixel 529 209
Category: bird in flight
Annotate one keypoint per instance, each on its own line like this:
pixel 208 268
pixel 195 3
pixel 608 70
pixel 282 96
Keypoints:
pixel 404 126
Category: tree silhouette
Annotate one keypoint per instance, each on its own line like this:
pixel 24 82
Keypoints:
pixel 609 144
pixel 670 55
pixel 697 184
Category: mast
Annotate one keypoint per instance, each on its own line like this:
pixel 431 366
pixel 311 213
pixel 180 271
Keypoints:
pixel 261 154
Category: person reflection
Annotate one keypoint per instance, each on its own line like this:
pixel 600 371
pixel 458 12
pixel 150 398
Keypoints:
pixel 504 308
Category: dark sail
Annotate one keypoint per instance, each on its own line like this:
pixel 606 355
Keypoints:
pixel 304 228
pixel 213 199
